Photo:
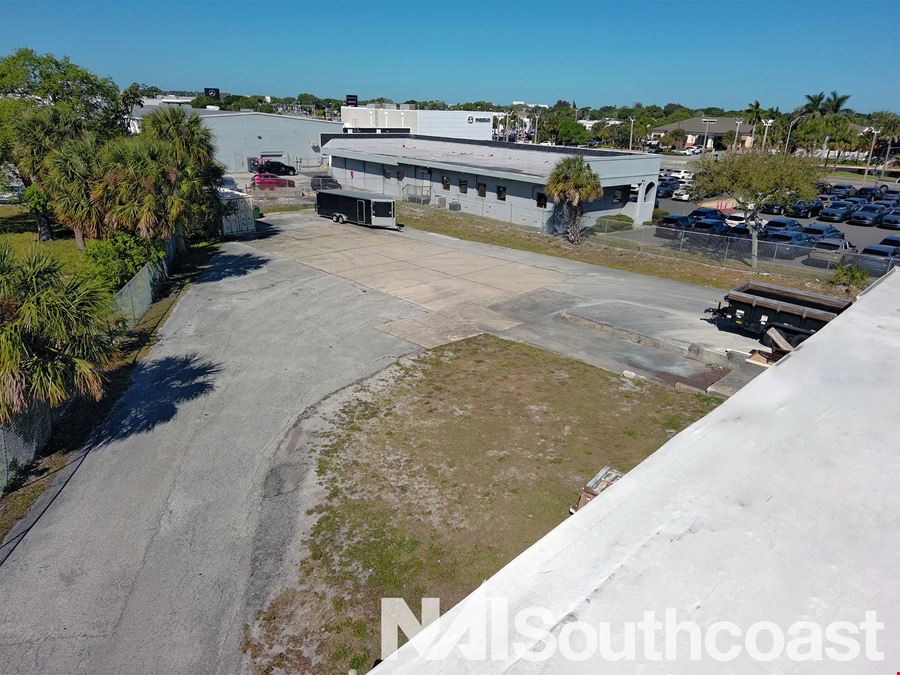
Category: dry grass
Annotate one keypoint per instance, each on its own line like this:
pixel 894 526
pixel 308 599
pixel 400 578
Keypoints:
pixel 475 451
pixel 593 250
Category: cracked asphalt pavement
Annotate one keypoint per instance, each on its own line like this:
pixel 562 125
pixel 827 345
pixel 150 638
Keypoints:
pixel 143 563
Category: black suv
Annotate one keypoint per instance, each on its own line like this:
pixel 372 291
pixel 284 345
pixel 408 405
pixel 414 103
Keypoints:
pixel 324 182
pixel 278 168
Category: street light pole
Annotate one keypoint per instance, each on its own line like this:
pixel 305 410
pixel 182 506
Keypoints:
pixel 737 132
pixel 766 124
pixel 706 122
pixel 788 141
pixel 631 134
pixel 887 156
pixel 875 133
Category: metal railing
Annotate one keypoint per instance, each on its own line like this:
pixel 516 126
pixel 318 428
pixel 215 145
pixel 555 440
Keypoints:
pixel 736 252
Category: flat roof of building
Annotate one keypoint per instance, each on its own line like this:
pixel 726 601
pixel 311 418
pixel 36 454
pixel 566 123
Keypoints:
pixel 780 505
pixel 138 112
pixel 532 163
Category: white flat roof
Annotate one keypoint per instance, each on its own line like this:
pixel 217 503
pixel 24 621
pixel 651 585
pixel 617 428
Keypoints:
pixel 781 505
pixel 523 162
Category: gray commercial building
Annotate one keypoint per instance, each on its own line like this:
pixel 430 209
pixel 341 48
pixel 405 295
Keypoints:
pixel 504 181
pixel 243 136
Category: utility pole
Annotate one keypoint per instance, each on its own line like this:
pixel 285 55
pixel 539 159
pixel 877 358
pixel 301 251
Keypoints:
pixel 875 133
pixel 737 132
pixel 766 124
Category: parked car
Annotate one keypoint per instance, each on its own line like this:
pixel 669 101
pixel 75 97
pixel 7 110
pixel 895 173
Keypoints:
pixel 822 231
pixel 831 251
pixel 668 227
pixel 842 190
pixel 278 168
pixel 886 204
pixel 772 208
pixel 890 220
pixel 806 209
pixel 706 212
pixel 837 212
pixel 823 187
pixel 878 260
pixel 683 194
pixel 324 182
pixel 783 225
pixel 869 193
pixel 739 232
pixel 708 226
pixel 682 174
pixel 856 201
pixel 867 215
pixel 269 181
pixel 665 190
pixel 892 240
pixel 787 244
pixel 892 194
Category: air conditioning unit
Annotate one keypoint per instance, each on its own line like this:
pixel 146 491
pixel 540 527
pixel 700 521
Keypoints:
pixel 441 202
pixel 455 206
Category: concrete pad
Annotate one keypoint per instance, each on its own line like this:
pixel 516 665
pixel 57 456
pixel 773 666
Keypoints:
pixel 408 249
pixel 515 277
pixel 394 275
pixel 338 262
pixel 451 291
pixel 458 263
pixel 455 323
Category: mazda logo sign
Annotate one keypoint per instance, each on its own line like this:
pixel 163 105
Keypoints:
pixel 470 119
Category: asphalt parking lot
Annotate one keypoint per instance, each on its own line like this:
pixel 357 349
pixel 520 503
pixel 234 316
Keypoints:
pixel 857 235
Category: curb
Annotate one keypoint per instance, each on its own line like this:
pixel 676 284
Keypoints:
pixel 697 352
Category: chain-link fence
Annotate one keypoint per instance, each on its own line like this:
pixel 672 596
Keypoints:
pixel 135 297
pixel 21 440
pixel 737 252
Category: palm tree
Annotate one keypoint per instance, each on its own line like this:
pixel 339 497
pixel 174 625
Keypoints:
pixel 571 184
pixel 136 188
pixel 835 104
pixel 54 339
pixel 754 116
pixel 814 105
pixel 71 172
pixel 35 135
pixel 192 149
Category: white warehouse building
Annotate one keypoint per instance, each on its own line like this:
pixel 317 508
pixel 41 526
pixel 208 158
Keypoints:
pixel 471 124
pixel 504 181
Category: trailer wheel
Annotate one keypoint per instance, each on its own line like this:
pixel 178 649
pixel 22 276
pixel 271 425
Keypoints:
pixel 334 219
pixel 340 219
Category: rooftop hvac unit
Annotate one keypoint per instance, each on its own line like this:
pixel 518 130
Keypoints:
pixel 441 202
pixel 455 206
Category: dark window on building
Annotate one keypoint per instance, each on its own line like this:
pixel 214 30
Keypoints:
pixel 501 193
pixel 445 181
pixel 540 200
pixel 620 196
pixel 463 186
pixel 482 189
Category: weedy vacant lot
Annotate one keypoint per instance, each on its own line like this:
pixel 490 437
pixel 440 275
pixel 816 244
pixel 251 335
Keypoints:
pixel 471 453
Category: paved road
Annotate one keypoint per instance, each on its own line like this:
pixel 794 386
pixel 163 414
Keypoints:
pixel 143 562
pixel 170 534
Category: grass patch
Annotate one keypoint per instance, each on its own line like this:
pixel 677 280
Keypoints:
pixel 82 416
pixel 476 450
pixel 19 231
pixel 624 255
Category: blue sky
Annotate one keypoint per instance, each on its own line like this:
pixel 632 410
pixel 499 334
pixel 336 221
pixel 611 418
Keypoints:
pixel 697 53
